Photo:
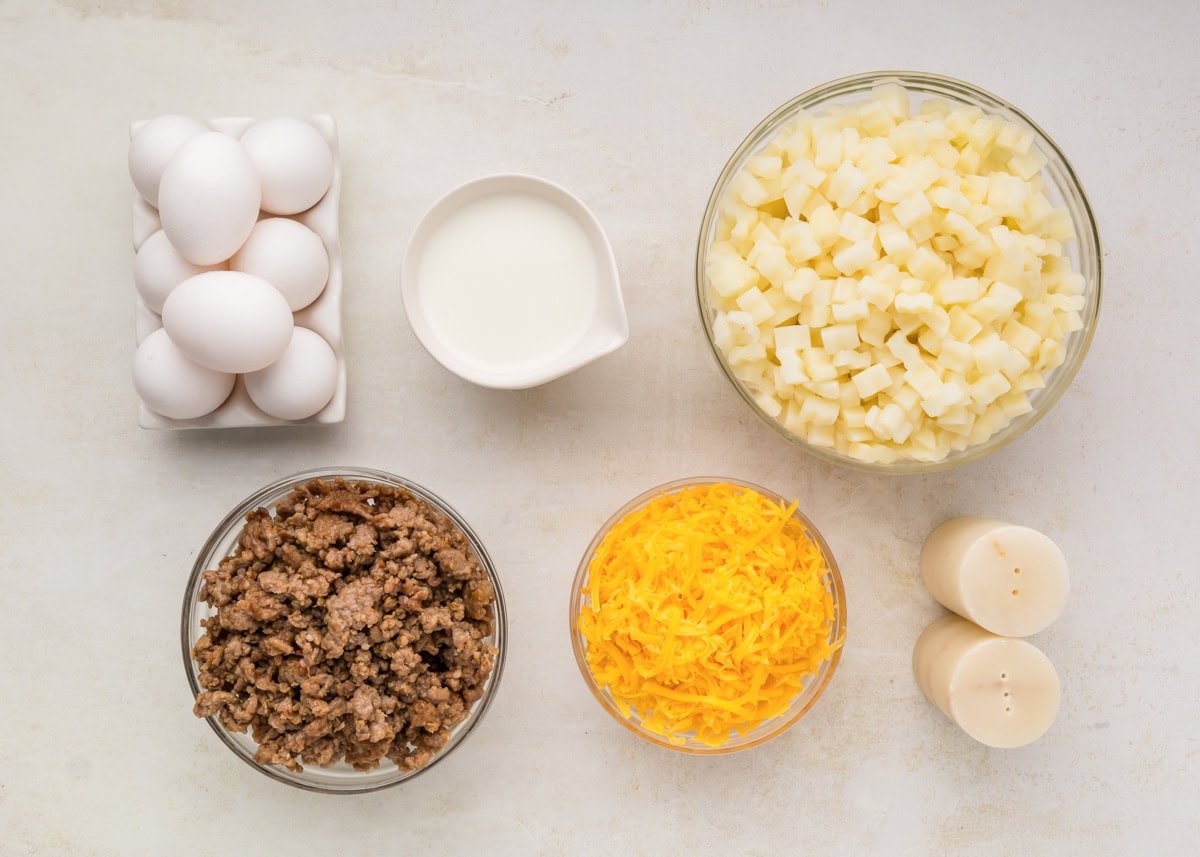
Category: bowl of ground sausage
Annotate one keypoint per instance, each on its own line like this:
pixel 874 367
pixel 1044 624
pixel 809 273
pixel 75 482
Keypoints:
pixel 343 630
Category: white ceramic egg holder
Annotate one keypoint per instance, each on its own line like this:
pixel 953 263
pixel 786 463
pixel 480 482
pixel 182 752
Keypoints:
pixel 323 316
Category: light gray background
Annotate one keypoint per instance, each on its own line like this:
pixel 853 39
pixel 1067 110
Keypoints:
pixel 634 107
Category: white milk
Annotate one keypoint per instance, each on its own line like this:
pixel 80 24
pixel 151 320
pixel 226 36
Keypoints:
pixel 509 281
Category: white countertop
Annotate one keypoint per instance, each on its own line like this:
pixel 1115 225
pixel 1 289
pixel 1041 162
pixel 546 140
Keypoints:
pixel 634 109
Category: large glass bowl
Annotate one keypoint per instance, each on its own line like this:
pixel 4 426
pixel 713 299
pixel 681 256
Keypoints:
pixel 1062 188
pixel 340 778
pixel 804 701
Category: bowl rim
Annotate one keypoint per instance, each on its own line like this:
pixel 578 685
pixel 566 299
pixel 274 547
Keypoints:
pixel 1064 375
pixel 785 721
pixel 236 518
pixel 609 274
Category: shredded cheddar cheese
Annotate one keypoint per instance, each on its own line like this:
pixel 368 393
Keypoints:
pixel 705 611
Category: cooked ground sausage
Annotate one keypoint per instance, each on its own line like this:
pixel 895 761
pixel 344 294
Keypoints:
pixel 350 625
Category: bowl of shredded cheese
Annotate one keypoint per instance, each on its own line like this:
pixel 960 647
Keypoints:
pixel 899 271
pixel 708 615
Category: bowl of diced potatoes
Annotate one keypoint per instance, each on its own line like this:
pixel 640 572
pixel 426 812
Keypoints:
pixel 899 271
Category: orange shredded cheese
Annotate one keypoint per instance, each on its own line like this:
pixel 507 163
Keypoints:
pixel 705 610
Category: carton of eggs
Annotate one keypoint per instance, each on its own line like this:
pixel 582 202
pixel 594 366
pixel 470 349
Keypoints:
pixel 238 272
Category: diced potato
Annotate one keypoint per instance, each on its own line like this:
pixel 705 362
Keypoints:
pixel 765 166
pixel 851 359
pixel 755 304
pixel 910 400
pixel 1028 165
pixel 1022 338
pixel 937 325
pixel 770 405
pixel 895 422
pixel 730 276
pixel 875 118
pixel 894 99
pixel 743 327
pixel 803 171
pixel 845 289
pixel 902 349
pixel 801 284
pixel 949 199
pixel 797 144
pixel 855 257
pixel 1014 404
pixel 819 302
pixel 923 252
pixel 1015 364
pixel 874 329
pixel 924 380
pixel 821 436
pixel 1029 381
pixel 946 156
pixel 871 381
pixel 1013 136
pixel 907 323
pixel 876 293
pixel 785 309
pixel 926 265
pixel 896 241
pixel 944 397
pixel 825 389
pixel 800 239
pixel 864 451
pixel 818 365
pixel 982 133
pixel 956 356
pixel 827 150
pixel 794 197
pixel 912 208
pixel 987 424
pixel 913 303
pixel 853 417
pixel 990 387
pixel 755 353
pixel 959 290
pixel 961 228
pixel 1050 355
pixel 794 337
pixel 840 337
pixel 850 311
pixel 845 184
pixel 751 190
pixel 791 368
pixel 818 411
pixel 1071 321
pixel 855 228
pixel 1007 195
pixel 825 225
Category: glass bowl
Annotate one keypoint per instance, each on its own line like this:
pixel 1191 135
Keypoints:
pixel 1062 188
pixel 766 730
pixel 340 778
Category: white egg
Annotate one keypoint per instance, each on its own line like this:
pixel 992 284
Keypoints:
pixel 294 160
pixel 289 256
pixel 228 321
pixel 158 269
pixel 208 198
pixel 152 147
pixel 174 386
pixel 299 383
